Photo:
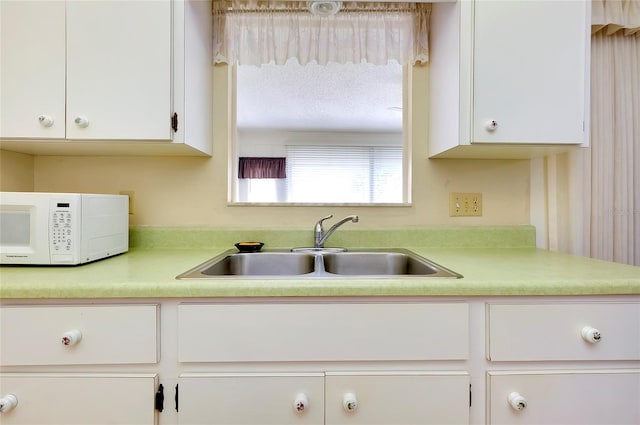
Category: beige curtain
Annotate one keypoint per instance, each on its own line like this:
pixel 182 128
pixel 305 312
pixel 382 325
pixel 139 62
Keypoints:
pixel 615 147
pixel 258 32
pixel 611 16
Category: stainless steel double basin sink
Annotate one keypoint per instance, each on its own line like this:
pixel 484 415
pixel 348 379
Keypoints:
pixel 313 263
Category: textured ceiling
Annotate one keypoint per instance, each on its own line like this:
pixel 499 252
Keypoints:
pixel 333 97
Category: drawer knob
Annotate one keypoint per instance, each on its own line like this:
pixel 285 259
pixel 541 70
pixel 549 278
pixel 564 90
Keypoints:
pixel 301 403
pixel 8 402
pixel 350 402
pixel 82 122
pixel 491 125
pixel 591 335
pixel 45 120
pixel 517 401
pixel 71 337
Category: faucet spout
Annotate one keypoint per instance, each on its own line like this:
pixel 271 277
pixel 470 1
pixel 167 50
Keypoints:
pixel 320 236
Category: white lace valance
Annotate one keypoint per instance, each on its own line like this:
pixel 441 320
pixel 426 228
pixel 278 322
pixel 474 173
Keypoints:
pixel 259 32
pixel 612 16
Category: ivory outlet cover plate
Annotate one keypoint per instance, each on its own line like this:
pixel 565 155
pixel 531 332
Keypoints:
pixel 465 204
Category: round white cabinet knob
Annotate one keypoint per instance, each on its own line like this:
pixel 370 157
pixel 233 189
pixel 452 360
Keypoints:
pixel 81 121
pixel 8 402
pixel 301 403
pixel 517 401
pixel 45 120
pixel 591 335
pixel 350 402
pixel 491 125
pixel 71 337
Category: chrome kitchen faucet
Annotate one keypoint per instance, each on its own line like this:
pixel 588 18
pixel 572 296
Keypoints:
pixel 320 236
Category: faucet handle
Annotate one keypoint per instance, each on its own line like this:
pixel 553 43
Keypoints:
pixel 319 223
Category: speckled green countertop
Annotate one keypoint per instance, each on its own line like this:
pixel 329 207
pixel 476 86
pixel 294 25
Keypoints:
pixel 493 261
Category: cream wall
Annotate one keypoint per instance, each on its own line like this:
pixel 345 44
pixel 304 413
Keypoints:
pixel 185 191
pixel 16 172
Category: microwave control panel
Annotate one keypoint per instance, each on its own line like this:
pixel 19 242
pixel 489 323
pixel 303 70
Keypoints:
pixel 62 234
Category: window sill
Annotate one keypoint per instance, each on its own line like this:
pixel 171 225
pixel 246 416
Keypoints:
pixel 318 204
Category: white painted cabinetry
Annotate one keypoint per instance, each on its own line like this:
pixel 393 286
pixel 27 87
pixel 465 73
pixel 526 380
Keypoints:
pixel 398 398
pixel 251 398
pixel 78 364
pixel 385 361
pixel 322 332
pixel 118 70
pixel 374 397
pixel 316 335
pixel 101 334
pixel 575 331
pixel 564 397
pixel 538 335
pixel 108 76
pixel 79 398
pixel 508 79
pixel 32 69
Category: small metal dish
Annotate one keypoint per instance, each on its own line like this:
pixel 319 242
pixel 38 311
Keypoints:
pixel 249 246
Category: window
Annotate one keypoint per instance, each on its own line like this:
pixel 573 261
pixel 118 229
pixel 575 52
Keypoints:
pixel 295 71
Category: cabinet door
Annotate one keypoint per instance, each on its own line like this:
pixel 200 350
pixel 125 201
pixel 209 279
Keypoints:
pixel 569 397
pixel 81 399
pixel 32 69
pixel 529 71
pixel 73 335
pixel 119 70
pixel 251 399
pixel 397 398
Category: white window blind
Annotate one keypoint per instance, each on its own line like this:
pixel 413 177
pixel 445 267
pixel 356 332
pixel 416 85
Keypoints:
pixel 344 174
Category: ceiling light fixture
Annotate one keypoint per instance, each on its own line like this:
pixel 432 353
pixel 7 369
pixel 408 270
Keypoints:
pixel 324 8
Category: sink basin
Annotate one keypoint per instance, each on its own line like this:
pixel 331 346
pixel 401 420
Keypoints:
pixel 313 264
pixel 254 264
pixel 391 263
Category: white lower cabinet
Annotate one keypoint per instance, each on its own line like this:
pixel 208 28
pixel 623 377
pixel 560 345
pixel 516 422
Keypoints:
pixel 393 398
pixel 578 397
pixel 84 364
pixel 389 398
pixel 250 399
pixel 77 398
pixel 563 331
pixel 322 331
pixel 353 356
pixel 365 361
pixel 570 362
pixel 78 334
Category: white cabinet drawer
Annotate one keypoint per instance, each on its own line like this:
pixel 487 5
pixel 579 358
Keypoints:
pixel 529 332
pixel 118 334
pixel 322 332
pixel 249 399
pixel 565 397
pixel 81 398
pixel 397 398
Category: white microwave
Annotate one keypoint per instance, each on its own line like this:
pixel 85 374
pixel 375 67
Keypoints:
pixel 62 228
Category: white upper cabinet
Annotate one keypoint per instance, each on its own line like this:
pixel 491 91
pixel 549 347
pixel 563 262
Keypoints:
pixel 508 79
pixel 32 69
pixel 119 70
pixel 528 71
pixel 106 76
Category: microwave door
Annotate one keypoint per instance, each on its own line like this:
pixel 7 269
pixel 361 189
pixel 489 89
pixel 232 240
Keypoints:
pixel 24 232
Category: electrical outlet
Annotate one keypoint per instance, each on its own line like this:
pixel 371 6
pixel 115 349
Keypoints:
pixel 131 195
pixel 465 204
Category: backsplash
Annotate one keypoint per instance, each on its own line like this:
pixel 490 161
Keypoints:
pixel 142 237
